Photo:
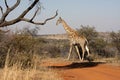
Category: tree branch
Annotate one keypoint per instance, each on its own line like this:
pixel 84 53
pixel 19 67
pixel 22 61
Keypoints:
pixel 15 5
pixel 9 10
pixel 1 9
pixel 34 14
pixel 4 23
pixel 28 9
pixel 39 23
pixel 6 4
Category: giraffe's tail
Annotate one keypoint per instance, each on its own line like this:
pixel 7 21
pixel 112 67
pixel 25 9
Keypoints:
pixel 86 47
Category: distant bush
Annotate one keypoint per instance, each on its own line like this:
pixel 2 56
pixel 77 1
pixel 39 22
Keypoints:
pixel 96 44
pixel 89 32
pixel 116 39
pixel 115 42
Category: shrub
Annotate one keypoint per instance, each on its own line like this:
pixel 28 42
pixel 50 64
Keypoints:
pixel 96 44
pixel 115 39
pixel 23 46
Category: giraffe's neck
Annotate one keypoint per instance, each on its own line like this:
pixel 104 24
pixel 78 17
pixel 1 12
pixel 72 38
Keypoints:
pixel 67 28
pixel 71 32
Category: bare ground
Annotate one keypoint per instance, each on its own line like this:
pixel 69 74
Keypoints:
pixel 85 70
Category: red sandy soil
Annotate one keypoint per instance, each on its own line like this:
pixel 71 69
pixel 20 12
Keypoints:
pixel 86 70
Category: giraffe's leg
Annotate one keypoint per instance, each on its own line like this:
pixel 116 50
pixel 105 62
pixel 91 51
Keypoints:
pixel 70 51
pixel 78 52
pixel 83 53
pixel 87 49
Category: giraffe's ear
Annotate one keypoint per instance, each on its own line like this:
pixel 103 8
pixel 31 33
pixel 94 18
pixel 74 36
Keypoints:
pixel 60 18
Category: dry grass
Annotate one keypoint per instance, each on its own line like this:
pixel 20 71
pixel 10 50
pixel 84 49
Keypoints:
pixel 15 73
pixel 36 72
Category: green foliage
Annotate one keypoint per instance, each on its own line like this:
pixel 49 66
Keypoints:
pixel 96 44
pixel 89 32
pixel 23 43
pixel 116 39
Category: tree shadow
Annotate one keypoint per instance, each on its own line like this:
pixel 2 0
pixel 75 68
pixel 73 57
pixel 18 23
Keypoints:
pixel 78 65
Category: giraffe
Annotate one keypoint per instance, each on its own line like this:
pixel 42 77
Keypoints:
pixel 75 39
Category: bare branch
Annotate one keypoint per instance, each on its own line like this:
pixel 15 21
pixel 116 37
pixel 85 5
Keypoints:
pixel 28 9
pixel 15 5
pixel 1 9
pixel 4 23
pixel 9 10
pixel 40 23
pixel 6 4
pixel 34 14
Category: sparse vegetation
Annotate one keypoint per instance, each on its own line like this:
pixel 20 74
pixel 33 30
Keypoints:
pixel 96 43
pixel 115 39
pixel 101 47
pixel 21 54
pixel 115 42
pixel 33 72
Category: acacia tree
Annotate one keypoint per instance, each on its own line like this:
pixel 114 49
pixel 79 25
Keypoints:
pixel 4 22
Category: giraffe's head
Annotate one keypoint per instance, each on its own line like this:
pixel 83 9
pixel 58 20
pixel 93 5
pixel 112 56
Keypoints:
pixel 59 21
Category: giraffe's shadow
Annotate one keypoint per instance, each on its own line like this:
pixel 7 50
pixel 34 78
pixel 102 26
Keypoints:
pixel 78 65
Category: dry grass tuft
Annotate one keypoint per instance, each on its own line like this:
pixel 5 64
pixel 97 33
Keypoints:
pixel 35 72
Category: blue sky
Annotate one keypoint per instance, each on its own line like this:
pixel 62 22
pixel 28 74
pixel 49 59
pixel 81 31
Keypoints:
pixel 104 15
